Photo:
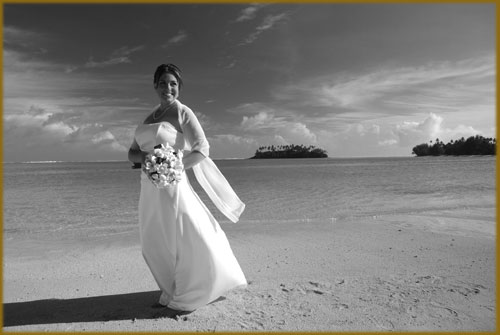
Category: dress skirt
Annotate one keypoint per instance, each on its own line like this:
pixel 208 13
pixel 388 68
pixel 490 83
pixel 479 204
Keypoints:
pixel 184 246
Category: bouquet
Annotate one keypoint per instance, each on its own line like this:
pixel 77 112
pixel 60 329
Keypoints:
pixel 164 166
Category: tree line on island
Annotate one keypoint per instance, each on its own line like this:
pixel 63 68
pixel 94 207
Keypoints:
pixel 290 151
pixel 474 145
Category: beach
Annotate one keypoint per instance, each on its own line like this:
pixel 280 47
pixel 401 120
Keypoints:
pixel 377 274
pixel 410 266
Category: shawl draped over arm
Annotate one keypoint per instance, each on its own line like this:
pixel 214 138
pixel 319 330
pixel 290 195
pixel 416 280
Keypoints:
pixel 206 172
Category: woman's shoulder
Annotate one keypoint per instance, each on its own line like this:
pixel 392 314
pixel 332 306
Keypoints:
pixel 185 113
pixel 183 108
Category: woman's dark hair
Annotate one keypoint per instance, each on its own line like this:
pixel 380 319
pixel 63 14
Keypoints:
pixel 167 68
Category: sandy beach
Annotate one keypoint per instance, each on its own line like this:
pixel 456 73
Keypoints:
pixel 432 272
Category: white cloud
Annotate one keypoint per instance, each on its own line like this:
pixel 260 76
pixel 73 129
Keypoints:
pixel 178 38
pixel 231 146
pixel 413 133
pixel 280 140
pixel 298 132
pixel 269 22
pixel 250 12
pixel 15 62
pixel 364 129
pixel 109 62
pixel 37 135
pixel 13 34
pixel 387 142
pixel 268 127
pixel 261 125
pixel 126 51
pixel 51 113
pixel 251 108
pixel 365 139
pixel 203 119
pixel 260 121
pixel 436 86
pixel 233 139
pixel 388 111
pixel 118 56
pixel 28 41
pixel 349 143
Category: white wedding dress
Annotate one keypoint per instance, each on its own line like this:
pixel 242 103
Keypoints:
pixel 182 243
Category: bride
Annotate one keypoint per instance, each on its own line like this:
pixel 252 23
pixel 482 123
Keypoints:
pixel 182 243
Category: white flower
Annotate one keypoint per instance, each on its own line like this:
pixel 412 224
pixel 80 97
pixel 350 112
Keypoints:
pixel 164 166
pixel 162 169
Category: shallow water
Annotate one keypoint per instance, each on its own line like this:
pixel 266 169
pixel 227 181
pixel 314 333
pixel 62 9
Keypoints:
pixel 85 200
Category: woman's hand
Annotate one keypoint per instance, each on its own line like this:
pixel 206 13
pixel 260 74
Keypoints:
pixel 136 155
pixel 192 159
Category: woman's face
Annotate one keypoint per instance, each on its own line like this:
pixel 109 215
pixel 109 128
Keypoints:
pixel 167 88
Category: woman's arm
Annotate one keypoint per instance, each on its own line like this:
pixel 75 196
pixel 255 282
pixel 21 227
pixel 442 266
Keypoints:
pixel 191 159
pixel 135 154
pixel 194 134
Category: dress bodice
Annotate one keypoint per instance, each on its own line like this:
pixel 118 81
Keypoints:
pixel 151 134
pixel 191 137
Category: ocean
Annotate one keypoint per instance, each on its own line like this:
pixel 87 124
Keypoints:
pixel 59 200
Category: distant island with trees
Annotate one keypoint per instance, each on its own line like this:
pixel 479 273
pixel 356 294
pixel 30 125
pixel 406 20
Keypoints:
pixel 474 145
pixel 289 151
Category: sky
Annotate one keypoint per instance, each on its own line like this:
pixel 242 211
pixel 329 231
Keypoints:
pixel 357 80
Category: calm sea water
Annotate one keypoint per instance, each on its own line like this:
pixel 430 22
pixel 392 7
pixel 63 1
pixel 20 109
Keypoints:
pixel 93 199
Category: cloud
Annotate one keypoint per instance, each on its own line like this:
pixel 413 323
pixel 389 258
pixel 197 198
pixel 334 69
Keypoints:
pixel 262 120
pixel 388 142
pixel 363 137
pixel 413 133
pixel 204 120
pixel 232 146
pixel 46 84
pixel 22 40
pixel 67 117
pixel 251 108
pixel 19 62
pixel 250 12
pixel 118 56
pixel 436 86
pixel 260 125
pixel 38 135
pixel 269 22
pixel 178 38
pixel 382 139
pixel 126 51
pixel 265 123
pixel 109 62
pixel 13 34
pixel 296 132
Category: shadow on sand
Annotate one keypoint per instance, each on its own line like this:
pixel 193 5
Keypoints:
pixel 129 306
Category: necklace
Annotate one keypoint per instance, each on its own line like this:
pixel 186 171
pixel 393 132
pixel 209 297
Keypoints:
pixel 162 113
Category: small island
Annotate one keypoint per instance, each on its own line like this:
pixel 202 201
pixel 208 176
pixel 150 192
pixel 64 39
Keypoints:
pixel 289 151
pixel 474 145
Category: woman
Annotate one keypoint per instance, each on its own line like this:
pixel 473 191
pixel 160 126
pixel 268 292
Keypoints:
pixel 182 243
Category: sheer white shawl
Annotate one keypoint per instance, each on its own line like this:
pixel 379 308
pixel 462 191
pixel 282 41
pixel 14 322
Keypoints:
pixel 206 172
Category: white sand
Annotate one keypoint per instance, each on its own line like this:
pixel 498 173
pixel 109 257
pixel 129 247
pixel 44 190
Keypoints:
pixel 370 274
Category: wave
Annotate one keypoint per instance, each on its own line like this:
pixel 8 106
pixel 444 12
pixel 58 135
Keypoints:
pixel 52 162
pixel 41 162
